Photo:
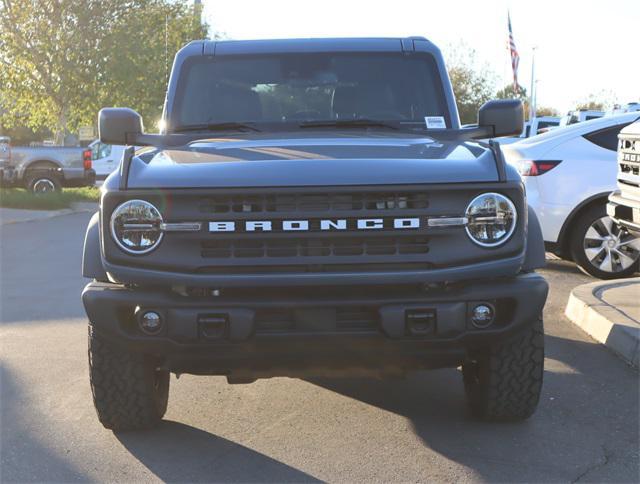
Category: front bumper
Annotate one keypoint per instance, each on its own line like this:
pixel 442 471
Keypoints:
pixel 625 212
pixel 293 332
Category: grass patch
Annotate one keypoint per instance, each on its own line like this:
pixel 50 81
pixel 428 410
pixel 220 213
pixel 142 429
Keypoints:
pixel 21 198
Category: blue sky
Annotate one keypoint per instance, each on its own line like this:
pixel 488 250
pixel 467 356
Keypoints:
pixel 583 47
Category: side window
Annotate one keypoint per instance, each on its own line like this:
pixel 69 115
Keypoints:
pixel 100 150
pixel 606 138
pixel 105 150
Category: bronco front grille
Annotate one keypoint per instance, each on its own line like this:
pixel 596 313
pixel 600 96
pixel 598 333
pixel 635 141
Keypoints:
pixel 629 155
pixel 314 247
pixel 629 166
pixel 312 250
pixel 317 203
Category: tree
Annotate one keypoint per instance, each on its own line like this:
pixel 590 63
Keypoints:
pixel 590 105
pixel 599 101
pixel 473 84
pixel 509 92
pixel 546 111
pixel 60 61
pixel 136 73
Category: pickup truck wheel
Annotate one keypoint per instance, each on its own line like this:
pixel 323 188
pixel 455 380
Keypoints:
pixel 601 249
pixel 503 383
pixel 41 183
pixel 129 392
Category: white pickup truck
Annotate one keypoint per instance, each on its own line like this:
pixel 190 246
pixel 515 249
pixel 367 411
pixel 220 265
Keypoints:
pixel 105 158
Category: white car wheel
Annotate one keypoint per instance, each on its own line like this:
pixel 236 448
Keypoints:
pixel 600 248
pixel 609 248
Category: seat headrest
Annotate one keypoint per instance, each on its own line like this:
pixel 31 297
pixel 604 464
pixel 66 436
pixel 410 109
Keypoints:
pixel 237 104
pixel 343 102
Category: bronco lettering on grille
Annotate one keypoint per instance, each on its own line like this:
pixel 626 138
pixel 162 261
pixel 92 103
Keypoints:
pixel 316 225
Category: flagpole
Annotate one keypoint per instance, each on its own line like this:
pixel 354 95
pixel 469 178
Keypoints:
pixel 532 92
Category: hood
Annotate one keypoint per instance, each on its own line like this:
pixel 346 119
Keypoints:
pixel 292 159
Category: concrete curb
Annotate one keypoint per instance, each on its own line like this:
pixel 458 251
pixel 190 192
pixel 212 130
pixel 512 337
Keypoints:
pixel 606 323
pixel 9 216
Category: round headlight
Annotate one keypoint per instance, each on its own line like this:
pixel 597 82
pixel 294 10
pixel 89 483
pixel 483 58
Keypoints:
pixel 135 226
pixel 491 219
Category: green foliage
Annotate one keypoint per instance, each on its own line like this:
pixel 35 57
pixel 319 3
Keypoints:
pixel 598 101
pixel 508 92
pixel 546 111
pixel 62 60
pixel 473 84
pixel 137 70
pixel 590 105
pixel 20 198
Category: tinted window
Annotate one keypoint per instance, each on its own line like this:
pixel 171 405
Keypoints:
pixel 606 138
pixel 308 87
pixel 547 124
pixel 100 150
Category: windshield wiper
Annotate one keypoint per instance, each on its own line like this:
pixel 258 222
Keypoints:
pixel 347 123
pixel 231 126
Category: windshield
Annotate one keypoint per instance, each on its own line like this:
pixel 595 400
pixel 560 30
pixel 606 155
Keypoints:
pixel 299 88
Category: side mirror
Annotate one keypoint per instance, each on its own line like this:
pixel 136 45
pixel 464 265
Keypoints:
pixel 504 116
pixel 119 126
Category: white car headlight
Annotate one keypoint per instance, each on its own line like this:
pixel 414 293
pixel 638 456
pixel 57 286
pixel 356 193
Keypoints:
pixel 491 219
pixel 135 226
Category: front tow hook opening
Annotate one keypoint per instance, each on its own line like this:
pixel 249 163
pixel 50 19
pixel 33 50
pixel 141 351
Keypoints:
pixel 213 326
pixel 420 322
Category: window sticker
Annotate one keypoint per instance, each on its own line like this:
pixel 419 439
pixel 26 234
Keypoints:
pixel 435 122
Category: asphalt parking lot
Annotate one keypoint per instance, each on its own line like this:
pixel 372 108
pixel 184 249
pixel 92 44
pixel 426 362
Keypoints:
pixel 417 429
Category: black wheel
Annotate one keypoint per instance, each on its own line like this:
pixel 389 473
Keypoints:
pixel 129 392
pixel 600 248
pixel 503 383
pixel 42 182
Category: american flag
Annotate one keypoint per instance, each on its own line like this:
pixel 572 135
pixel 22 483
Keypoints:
pixel 515 58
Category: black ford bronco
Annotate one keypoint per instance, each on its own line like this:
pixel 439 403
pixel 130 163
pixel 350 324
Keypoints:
pixel 312 208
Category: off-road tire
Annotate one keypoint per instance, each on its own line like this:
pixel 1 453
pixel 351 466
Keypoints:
pixel 578 232
pixel 35 178
pixel 129 392
pixel 503 383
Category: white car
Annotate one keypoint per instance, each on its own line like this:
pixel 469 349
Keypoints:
pixel 569 173
pixel 105 158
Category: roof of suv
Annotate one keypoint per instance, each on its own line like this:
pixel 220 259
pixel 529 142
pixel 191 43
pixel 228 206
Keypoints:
pixel 273 46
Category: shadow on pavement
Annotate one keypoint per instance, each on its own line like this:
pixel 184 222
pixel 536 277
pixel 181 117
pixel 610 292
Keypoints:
pixel 564 266
pixel 23 457
pixel 560 442
pixel 178 452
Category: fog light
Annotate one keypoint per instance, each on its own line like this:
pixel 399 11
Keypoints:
pixel 150 322
pixel 482 315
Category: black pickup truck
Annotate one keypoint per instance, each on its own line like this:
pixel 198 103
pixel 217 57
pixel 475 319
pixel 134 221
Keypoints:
pixel 312 208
